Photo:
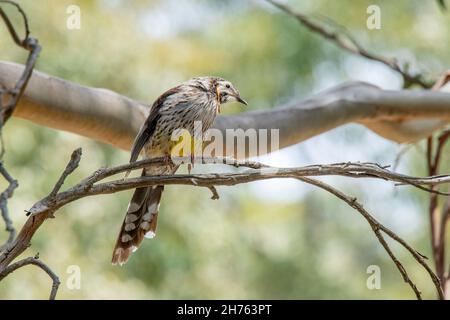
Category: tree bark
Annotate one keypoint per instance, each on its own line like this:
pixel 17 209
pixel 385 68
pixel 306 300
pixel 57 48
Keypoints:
pixel 402 116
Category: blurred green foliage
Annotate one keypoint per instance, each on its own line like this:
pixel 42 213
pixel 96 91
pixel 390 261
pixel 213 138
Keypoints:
pixel 241 246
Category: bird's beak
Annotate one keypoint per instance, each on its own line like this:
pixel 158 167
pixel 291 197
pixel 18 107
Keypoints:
pixel 240 100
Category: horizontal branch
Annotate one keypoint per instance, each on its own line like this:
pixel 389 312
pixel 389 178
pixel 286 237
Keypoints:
pixel 103 115
pixel 95 185
pixel 255 172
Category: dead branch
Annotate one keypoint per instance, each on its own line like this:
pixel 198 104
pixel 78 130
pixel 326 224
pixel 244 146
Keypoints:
pixel 73 164
pixel 33 261
pixel 28 43
pixel 9 97
pixel 376 227
pixel 438 218
pixel 4 196
pixel 343 39
pixel 94 185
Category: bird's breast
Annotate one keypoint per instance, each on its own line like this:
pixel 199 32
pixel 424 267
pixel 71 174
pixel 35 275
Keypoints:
pixel 195 117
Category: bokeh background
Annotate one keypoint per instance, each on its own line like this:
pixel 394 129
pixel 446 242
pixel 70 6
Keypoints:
pixel 278 239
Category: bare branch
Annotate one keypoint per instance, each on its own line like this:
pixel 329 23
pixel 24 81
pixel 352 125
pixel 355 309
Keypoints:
pixel 376 227
pixel 7 109
pixel 71 166
pixel 10 26
pixel 93 185
pixel 347 42
pixel 348 169
pixel 28 43
pixel 404 149
pixel 445 218
pixel 437 217
pixel 4 196
pixel 8 102
pixel 33 261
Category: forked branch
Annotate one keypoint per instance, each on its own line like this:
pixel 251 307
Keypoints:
pixel 343 39
pixel 33 261
pixel 254 171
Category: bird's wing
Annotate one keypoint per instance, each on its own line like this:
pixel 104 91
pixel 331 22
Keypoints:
pixel 149 126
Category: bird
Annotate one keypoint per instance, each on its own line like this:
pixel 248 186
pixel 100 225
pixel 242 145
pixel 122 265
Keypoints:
pixel 198 99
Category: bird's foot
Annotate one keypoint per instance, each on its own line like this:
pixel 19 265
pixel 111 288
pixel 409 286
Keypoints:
pixel 167 160
pixel 191 164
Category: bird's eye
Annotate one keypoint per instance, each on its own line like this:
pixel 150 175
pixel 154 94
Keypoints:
pixel 227 86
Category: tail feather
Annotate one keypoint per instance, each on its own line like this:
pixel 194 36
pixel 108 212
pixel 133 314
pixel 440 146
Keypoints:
pixel 140 221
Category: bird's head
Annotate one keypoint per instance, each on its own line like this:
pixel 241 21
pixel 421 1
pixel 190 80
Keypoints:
pixel 222 89
pixel 226 92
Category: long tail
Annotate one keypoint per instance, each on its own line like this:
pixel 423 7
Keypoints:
pixel 140 221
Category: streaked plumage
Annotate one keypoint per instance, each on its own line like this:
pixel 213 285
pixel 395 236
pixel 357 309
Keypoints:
pixel 198 99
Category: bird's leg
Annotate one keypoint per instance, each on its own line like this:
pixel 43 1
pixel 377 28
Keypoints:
pixel 167 160
pixel 191 165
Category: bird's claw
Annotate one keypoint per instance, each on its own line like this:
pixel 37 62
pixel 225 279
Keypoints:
pixel 191 164
pixel 167 160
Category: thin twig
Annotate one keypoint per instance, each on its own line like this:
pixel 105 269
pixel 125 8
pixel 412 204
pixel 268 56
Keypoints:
pixel 4 196
pixel 346 41
pixel 6 110
pixel 376 227
pixel 28 43
pixel 9 25
pixel 438 217
pixel 403 150
pixel 71 166
pixel 33 261
pixel 348 169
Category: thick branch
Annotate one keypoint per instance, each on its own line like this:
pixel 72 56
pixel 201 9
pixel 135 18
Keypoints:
pixel 402 116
